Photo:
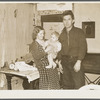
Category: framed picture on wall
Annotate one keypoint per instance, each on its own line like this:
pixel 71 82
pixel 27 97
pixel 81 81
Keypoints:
pixel 52 23
pixel 89 29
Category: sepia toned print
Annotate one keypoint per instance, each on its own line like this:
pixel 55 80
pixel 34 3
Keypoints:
pixel 25 29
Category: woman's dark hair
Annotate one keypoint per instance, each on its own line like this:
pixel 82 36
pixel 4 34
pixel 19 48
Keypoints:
pixel 36 30
pixel 68 12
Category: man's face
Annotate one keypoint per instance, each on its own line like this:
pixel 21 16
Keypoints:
pixel 68 21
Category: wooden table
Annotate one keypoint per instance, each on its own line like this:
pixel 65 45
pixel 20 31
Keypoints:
pixel 11 73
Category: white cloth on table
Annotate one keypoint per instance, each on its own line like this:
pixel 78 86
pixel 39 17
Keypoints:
pixel 33 75
pixel 31 72
pixel 22 66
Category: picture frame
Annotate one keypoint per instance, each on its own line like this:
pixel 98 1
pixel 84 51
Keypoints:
pixel 89 29
pixel 51 23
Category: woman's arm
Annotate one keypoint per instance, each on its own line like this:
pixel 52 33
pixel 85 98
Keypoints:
pixel 36 51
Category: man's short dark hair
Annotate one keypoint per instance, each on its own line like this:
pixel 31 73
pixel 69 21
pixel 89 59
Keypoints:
pixel 68 12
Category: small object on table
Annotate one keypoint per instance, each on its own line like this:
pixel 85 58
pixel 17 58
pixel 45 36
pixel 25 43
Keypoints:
pixel 11 66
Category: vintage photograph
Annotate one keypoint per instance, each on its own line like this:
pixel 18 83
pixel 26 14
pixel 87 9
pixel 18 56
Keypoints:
pixel 50 46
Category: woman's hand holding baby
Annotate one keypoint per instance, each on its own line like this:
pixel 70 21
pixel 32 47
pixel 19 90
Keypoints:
pixel 60 67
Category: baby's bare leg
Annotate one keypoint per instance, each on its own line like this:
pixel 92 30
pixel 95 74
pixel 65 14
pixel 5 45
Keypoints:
pixel 51 62
pixel 54 64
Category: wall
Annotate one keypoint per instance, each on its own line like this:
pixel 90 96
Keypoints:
pixel 49 9
pixel 54 6
pixel 89 12
pixel 16 25
pixel 16 22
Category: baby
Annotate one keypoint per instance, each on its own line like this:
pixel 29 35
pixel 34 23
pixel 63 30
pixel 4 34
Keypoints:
pixel 52 47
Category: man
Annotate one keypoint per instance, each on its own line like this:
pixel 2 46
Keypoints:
pixel 73 50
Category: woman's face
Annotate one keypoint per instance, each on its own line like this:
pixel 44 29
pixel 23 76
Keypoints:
pixel 40 35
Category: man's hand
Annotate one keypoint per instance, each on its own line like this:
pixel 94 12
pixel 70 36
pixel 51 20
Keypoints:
pixel 77 66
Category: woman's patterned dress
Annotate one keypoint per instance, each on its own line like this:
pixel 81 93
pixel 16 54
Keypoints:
pixel 49 78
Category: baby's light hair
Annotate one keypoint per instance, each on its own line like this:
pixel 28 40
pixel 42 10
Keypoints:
pixel 55 33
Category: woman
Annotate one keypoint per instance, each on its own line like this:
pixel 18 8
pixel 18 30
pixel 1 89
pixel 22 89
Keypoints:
pixel 49 78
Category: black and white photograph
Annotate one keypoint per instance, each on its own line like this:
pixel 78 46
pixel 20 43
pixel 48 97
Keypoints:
pixel 50 47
